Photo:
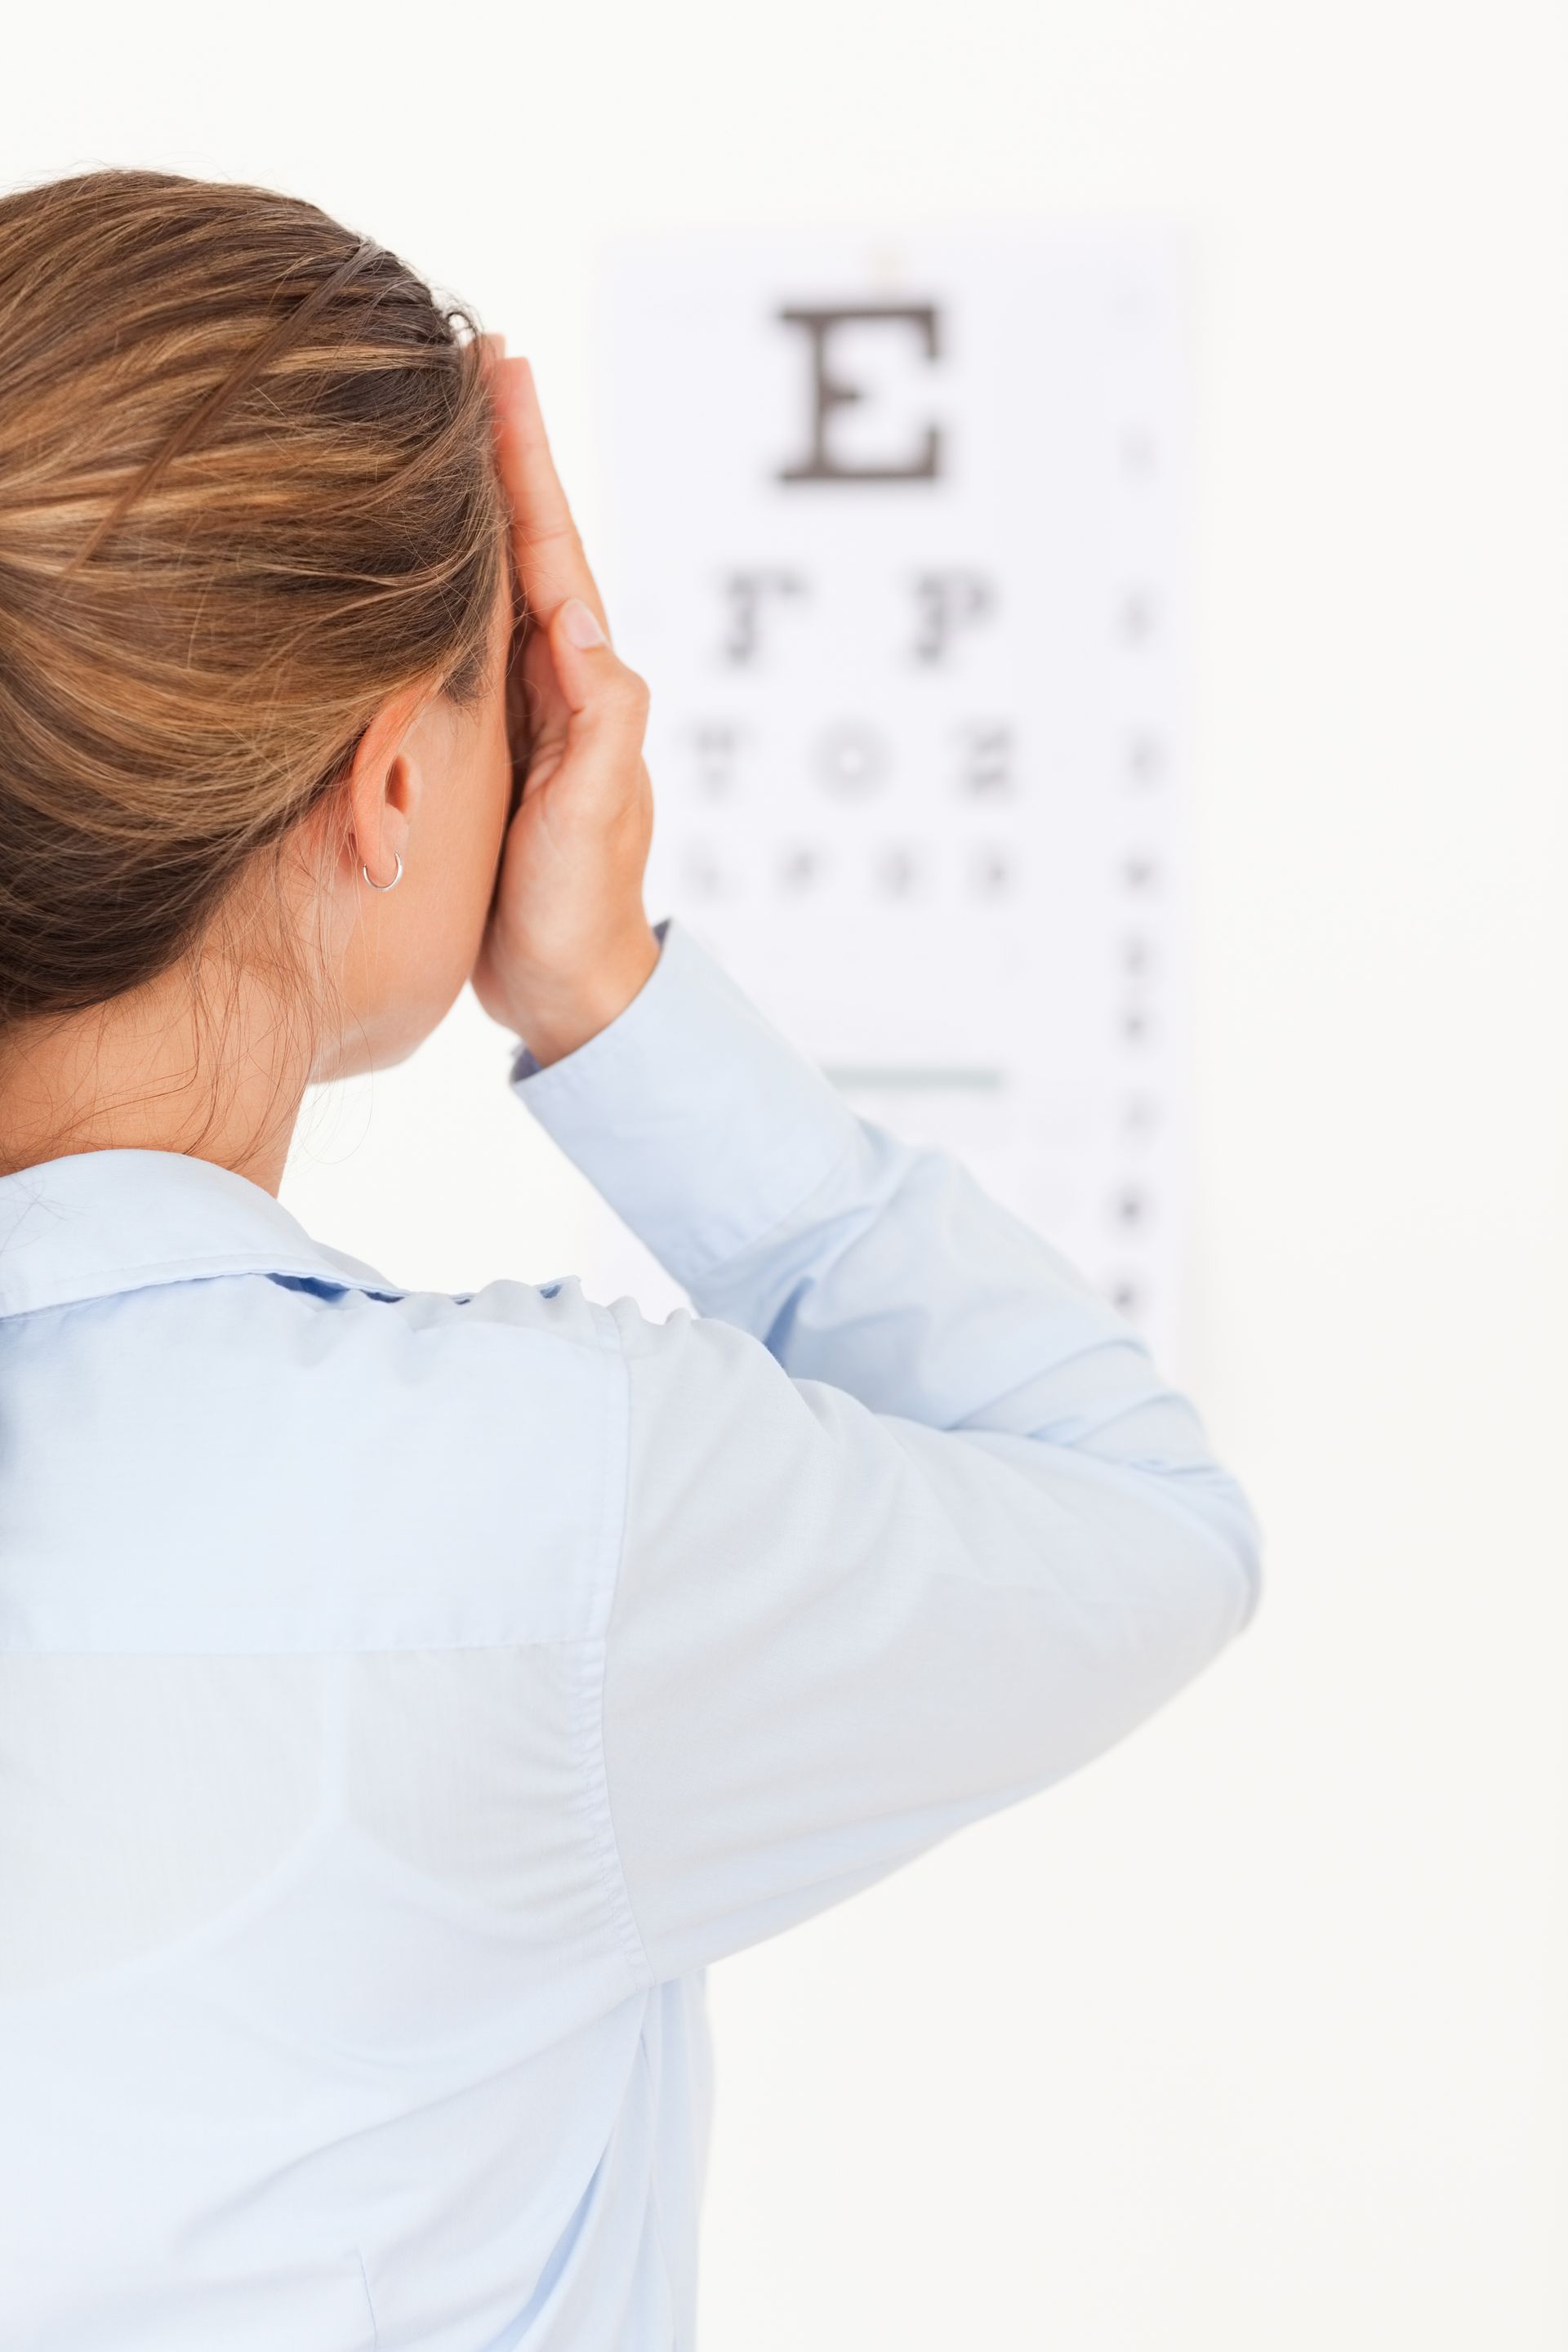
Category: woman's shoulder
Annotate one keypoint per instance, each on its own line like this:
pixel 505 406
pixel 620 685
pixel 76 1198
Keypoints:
pixel 303 1459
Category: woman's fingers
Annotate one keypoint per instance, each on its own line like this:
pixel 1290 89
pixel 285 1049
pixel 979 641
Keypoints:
pixel 567 945
pixel 550 564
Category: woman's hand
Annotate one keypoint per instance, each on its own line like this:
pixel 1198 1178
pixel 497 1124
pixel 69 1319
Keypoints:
pixel 568 944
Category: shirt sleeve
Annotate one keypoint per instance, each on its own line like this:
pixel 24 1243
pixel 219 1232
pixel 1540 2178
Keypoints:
pixel 913 1526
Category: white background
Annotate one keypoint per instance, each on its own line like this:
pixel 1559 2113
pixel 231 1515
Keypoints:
pixel 1255 2035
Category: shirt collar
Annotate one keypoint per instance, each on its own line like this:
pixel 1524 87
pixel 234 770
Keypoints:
pixel 100 1222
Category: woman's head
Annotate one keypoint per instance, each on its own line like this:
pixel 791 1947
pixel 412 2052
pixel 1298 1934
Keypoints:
pixel 254 598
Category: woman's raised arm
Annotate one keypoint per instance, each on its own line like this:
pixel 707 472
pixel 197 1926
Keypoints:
pixel 912 1525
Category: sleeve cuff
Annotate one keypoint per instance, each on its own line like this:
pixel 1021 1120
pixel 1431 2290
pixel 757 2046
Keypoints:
pixel 698 1122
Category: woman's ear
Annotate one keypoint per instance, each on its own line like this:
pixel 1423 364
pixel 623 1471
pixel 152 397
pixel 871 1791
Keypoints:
pixel 384 784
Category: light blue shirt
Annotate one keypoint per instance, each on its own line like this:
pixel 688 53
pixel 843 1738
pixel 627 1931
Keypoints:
pixel 403 1698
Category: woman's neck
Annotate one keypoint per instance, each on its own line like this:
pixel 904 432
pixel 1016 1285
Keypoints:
pixel 201 1062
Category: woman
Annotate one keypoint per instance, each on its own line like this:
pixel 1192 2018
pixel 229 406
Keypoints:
pixel 403 1698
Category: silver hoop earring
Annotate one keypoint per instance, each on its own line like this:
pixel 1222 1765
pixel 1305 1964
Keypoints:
pixel 386 885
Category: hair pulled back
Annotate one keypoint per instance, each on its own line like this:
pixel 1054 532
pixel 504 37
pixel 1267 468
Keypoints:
pixel 247 493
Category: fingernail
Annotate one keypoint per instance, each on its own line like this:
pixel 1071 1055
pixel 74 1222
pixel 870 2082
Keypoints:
pixel 578 624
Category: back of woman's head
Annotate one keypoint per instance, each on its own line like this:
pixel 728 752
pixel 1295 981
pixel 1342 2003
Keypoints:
pixel 247 493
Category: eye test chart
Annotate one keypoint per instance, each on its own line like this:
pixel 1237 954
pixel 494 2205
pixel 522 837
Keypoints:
pixel 898 537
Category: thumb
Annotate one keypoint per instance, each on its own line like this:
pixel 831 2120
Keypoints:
pixel 606 702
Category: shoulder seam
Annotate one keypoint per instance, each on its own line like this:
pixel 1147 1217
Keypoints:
pixel 613 1540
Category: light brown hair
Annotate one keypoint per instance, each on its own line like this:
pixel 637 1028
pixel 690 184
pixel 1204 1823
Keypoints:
pixel 247 493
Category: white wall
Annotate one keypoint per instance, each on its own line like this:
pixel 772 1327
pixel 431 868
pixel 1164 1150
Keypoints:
pixel 1255 2035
